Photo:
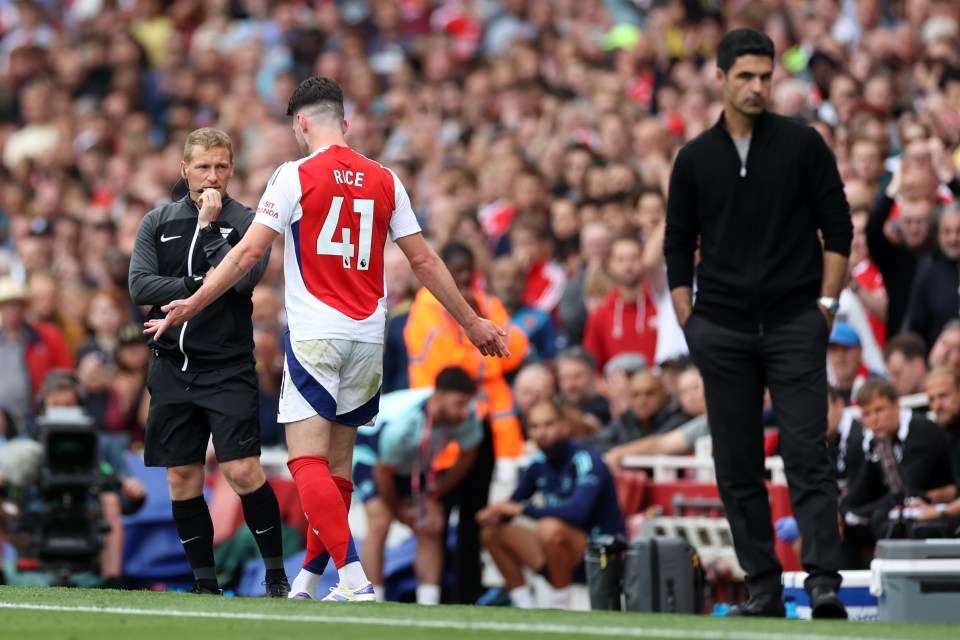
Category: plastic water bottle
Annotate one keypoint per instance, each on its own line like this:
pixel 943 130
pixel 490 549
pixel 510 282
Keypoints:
pixel 720 609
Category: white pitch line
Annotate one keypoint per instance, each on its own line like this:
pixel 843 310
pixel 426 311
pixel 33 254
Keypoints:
pixel 556 629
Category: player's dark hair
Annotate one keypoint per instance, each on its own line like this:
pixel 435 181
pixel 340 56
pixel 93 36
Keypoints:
pixel 455 379
pixel 454 251
pixel 320 94
pixel 742 42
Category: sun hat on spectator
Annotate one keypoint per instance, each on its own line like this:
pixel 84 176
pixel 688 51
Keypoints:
pixel 844 335
pixel 12 291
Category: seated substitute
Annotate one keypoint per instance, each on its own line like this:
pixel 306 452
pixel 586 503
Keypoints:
pixel 581 502
pixel 409 486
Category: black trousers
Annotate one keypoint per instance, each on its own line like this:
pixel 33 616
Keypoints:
pixel 470 497
pixel 790 359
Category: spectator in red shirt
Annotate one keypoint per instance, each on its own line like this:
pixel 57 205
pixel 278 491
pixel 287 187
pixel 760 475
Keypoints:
pixel 627 320
pixel 27 352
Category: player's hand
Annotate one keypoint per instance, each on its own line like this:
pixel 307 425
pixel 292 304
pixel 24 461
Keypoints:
pixel 210 206
pixel 178 312
pixel 488 338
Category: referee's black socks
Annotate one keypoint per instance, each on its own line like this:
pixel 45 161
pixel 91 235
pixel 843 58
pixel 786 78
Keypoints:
pixel 262 513
pixel 196 535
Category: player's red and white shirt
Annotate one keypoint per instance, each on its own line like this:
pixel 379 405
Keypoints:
pixel 335 208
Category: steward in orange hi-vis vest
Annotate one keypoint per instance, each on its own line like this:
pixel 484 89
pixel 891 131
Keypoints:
pixel 435 340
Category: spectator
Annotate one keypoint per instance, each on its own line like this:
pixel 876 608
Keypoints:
pixel 943 389
pixel 863 302
pixel 934 297
pixel 581 502
pixel 401 288
pixel 897 246
pixel 946 350
pixel 595 242
pixel 846 370
pixel 507 281
pixel 626 321
pixel 650 413
pixel 534 382
pixel 532 247
pixel 577 384
pixel 408 487
pixel 679 440
pixel 28 352
pixel 906 363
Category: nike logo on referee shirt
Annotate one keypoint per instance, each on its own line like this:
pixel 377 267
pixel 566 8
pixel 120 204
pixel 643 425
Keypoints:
pixel 182 541
pixel 265 530
pixel 168 238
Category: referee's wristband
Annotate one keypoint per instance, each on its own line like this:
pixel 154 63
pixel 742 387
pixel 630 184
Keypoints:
pixel 941 508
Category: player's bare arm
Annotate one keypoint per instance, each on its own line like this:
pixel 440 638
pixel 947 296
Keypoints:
pixel 431 271
pixel 238 262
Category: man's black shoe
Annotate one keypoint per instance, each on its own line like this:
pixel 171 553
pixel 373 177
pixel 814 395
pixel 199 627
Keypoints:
pixel 766 606
pixel 204 591
pixel 277 587
pixel 826 604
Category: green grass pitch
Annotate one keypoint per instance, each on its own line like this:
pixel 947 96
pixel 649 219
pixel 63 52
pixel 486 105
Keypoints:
pixel 42 613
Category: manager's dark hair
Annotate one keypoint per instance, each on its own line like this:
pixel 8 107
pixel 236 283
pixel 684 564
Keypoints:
pixel 742 42
pixel 321 95
pixel 455 379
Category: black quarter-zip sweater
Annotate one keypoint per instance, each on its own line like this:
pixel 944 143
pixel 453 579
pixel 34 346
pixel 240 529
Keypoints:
pixel 761 260
pixel 170 253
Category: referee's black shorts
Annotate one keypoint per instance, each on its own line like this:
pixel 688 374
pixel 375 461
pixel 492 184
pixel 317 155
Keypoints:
pixel 186 408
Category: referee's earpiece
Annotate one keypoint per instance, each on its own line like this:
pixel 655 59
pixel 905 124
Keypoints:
pixel 183 173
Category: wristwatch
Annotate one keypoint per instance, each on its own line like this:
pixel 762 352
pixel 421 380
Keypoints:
pixel 832 305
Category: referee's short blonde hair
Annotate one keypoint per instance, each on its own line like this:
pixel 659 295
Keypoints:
pixel 208 138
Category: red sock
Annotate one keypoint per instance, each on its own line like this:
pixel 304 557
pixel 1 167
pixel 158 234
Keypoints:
pixel 321 501
pixel 314 546
pixel 346 490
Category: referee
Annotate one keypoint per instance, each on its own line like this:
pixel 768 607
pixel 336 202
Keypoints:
pixel 756 192
pixel 202 380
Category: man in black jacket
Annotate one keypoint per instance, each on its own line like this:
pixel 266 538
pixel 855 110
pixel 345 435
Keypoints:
pixel 203 379
pixel 757 188
pixel 934 296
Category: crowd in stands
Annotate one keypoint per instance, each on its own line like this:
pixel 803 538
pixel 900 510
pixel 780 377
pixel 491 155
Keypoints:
pixel 535 138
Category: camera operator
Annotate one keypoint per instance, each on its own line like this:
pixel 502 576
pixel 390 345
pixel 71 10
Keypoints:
pixel 122 492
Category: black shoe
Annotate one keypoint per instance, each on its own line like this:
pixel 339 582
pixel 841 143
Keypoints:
pixel 277 587
pixel 204 591
pixel 764 606
pixel 826 604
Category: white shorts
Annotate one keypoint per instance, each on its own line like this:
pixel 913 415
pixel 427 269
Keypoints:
pixel 336 379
